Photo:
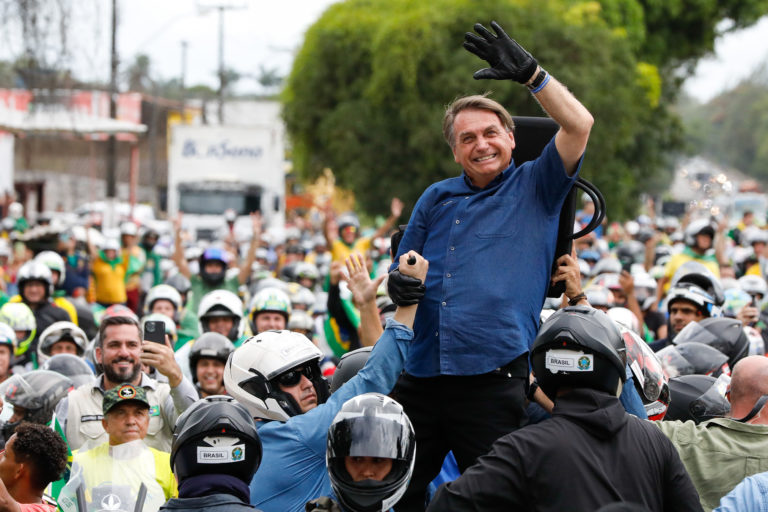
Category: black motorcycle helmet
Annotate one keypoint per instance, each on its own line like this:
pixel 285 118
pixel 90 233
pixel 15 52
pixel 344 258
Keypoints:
pixel 696 398
pixel 725 334
pixel 220 430
pixel 370 425
pixel 579 347
pixel 693 358
pixel 693 272
pixel 211 345
pixel 70 366
pixel 350 363
pixel 149 239
pixel 214 254
pixel 38 392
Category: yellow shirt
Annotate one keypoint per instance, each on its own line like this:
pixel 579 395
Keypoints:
pixel 340 251
pixel 126 466
pixel 108 282
pixel 677 260
pixel 60 302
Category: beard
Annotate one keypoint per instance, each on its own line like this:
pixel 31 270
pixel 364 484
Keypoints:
pixel 123 374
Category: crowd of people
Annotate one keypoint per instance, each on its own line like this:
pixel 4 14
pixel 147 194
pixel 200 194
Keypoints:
pixel 324 366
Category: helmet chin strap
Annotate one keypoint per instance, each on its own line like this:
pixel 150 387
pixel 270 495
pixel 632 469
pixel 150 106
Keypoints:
pixel 755 410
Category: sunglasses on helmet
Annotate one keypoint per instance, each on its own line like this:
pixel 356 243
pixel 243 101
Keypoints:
pixel 293 377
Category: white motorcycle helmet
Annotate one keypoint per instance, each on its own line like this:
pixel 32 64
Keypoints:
pixel 221 303
pixel 162 292
pixel 60 331
pixel 53 261
pixel 252 372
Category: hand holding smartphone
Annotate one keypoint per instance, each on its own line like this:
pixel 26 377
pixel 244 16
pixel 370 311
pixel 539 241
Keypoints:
pixel 154 330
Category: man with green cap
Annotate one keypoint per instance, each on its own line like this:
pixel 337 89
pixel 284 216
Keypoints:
pixel 119 467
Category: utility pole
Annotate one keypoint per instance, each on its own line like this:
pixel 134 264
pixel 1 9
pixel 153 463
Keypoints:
pixel 221 64
pixel 222 73
pixel 112 141
pixel 183 80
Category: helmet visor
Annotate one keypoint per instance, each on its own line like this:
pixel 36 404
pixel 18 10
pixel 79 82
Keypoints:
pixel 713 404
pixel 367 436
pixel 673 362
pixel 695 332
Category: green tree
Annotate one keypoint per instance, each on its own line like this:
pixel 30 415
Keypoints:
pixel 732 128
pixel 367 90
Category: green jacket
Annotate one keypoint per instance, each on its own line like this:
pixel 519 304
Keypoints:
pixel 718 454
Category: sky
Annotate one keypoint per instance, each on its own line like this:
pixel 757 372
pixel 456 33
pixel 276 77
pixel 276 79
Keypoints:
pixel 267 33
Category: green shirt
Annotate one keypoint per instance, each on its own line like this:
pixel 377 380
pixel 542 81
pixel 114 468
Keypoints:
pixel 718 454
pixel 198 288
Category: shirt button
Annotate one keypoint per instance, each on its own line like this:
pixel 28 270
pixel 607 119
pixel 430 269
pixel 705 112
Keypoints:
pixel 445 304
pixel 457 221
pixel 453 248
pixel 448 274
pixel 437 333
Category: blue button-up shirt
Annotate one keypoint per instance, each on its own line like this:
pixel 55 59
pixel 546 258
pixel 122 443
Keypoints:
pixel 751 495
pixel 490 253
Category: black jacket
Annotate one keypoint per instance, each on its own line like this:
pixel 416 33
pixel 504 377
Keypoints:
pixel 213 502
pixel 589 454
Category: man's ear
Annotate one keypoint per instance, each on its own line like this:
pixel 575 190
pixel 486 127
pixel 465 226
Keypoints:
pixel 104 423
pixel 97 354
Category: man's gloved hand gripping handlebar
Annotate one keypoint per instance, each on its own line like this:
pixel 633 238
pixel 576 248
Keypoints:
pixel 405 290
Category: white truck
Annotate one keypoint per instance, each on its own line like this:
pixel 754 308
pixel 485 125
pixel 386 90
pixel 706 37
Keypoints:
pixel 212 169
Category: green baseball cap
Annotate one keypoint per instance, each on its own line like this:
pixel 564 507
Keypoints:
pixel 124 393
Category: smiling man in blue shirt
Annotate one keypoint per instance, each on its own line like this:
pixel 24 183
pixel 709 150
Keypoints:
pixel 466 372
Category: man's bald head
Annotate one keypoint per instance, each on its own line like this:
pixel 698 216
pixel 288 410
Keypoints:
pixel 749 381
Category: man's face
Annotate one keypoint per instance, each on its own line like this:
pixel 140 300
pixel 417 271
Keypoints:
pixel 19 413
pixel 349 234
pixel 120 354
pixel 367 468
pixel 64 347
pixel 681 313
pixel 5 360
pixel 164 307
pixel 126 422
pixel 303 391
pixel 210 375
pixel 269 320
pixel 482 146
pixel 8 464
pixel 213 267
pixel 703 241
pixel 221 324
pixel 34 291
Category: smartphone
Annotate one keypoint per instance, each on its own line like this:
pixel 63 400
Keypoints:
pixel 154 330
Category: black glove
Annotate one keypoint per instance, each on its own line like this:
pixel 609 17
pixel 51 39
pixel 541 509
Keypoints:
pixel 404 290
pixel 507 58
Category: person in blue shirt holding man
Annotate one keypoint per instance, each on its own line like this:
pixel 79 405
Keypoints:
pixel 489 236
pixel 276 376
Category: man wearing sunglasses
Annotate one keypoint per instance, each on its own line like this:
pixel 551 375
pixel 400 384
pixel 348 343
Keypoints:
pixel 276 376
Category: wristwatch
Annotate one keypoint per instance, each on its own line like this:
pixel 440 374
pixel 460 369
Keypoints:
pixel 538 80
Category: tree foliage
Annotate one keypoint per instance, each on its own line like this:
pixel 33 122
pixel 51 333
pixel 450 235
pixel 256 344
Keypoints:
pixel 368 89
pixel 732 129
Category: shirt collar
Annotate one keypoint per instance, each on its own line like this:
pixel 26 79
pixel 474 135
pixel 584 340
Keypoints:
pixel 503 175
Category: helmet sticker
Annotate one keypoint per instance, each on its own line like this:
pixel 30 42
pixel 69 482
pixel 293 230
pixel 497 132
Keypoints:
pixel 220 454
pixel 559 360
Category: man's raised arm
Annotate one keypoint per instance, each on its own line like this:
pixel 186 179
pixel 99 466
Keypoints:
pixel 509 60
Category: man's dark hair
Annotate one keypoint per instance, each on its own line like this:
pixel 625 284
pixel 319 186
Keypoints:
pixel 44 449
pixel 477 102
pixel 116 320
